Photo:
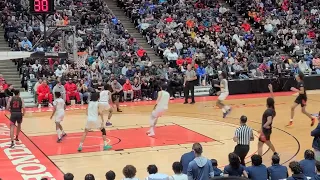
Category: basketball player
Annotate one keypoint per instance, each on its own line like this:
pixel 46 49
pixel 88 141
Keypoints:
pixel 93 122
pixel 267 120
pixel 105 100
pixel 301 99
pixel 223 94
pixel 16 107
pixel 160 107
pixel 59 107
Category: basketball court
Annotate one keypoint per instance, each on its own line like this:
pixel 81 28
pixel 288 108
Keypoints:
pixel 39 154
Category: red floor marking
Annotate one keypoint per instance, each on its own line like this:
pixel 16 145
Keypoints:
pixel 119 139
pixel 26 161
pixel 178 100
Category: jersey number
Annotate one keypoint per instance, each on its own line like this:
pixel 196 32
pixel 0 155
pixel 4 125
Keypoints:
pixel 15 104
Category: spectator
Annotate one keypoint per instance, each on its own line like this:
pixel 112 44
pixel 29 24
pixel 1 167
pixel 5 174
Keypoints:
pixel 83 90
pixel 89 177
pixel 9 91
pixel 200 167
pixel 216 170
pixel 44 94
pixel 71 91
pixel 116 93
pixel 186 159
pixel 277 171
pixel 127 89
pixel 154 175
pixel 68 176
pixel 38 83
pixel 3 98
pixel 59 72
pixel 136 89
pixel 110 175
pixel 316 140
pixel 178 175
pixel 307 165
pixel 129 173
pixel 59 88
pixel 234 168
pixel 317 177
pixel 297 171
pixel 202 76
pixel 304 67
pixel 257 171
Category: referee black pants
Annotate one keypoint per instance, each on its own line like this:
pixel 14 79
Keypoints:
pixel 242 151
pixel 189 87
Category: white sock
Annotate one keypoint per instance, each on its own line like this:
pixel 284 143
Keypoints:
pixel 291 120
pixel 59 133
pixel 81 144
pixel 105 143
pixel 223 110
pixel 152 130
pixel 227 107
pixel 62 132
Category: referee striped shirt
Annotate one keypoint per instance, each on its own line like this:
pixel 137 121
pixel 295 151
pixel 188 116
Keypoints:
pixel 244 134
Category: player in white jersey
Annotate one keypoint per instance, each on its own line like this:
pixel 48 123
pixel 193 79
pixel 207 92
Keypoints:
pixel 93 121
pixel 105 100
pixel 159 108
pixel 59 107
pixel 223 94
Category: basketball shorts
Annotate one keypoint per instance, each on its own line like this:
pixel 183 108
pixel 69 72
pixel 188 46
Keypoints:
pixel 265 135
pixel 158 112
pixel 105 106
pixel 94 123
pixel 301 100
pixel 59 117
pixel 223 96
pixel 16 117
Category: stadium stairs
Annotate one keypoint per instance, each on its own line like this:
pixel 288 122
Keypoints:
pixel 119 13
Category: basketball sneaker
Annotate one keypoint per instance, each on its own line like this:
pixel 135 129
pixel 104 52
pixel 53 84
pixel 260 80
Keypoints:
pixel 79 148
pixel 12 145
pixel 108 123
pixel 290 124
pixel 63 135
pixel 107 147
pixel 59 140
pixel 16 139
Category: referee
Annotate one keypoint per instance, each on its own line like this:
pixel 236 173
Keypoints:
pixel 189 78
pixel 242 137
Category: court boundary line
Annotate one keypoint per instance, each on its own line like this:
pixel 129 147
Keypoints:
pixel 297 141
pixel 38 148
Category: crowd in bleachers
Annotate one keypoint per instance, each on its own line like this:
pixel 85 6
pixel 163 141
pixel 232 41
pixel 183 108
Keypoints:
pixel 193 165
pixel 261 37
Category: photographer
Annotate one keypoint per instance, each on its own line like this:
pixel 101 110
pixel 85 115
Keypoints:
pixel 175 85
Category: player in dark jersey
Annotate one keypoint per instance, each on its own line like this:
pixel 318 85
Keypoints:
pixel 16 107
pixel 301 99
pixel 267 120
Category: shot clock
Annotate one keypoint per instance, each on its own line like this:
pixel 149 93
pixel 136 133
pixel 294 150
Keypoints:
pixel 41 6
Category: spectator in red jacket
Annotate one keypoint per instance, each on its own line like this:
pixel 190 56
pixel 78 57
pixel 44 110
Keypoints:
pixel 43 92
pixel 127 89
pixel 71 91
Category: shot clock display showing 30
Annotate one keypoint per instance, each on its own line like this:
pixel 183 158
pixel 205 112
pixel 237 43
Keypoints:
pixel 41 6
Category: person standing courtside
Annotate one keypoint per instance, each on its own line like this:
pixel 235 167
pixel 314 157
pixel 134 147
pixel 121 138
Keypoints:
pixel 189 78
pixel 16 107
pixel 242 137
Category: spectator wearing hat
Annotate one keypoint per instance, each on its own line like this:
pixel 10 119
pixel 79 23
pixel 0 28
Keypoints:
pixel 71 91
pixel 43 92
